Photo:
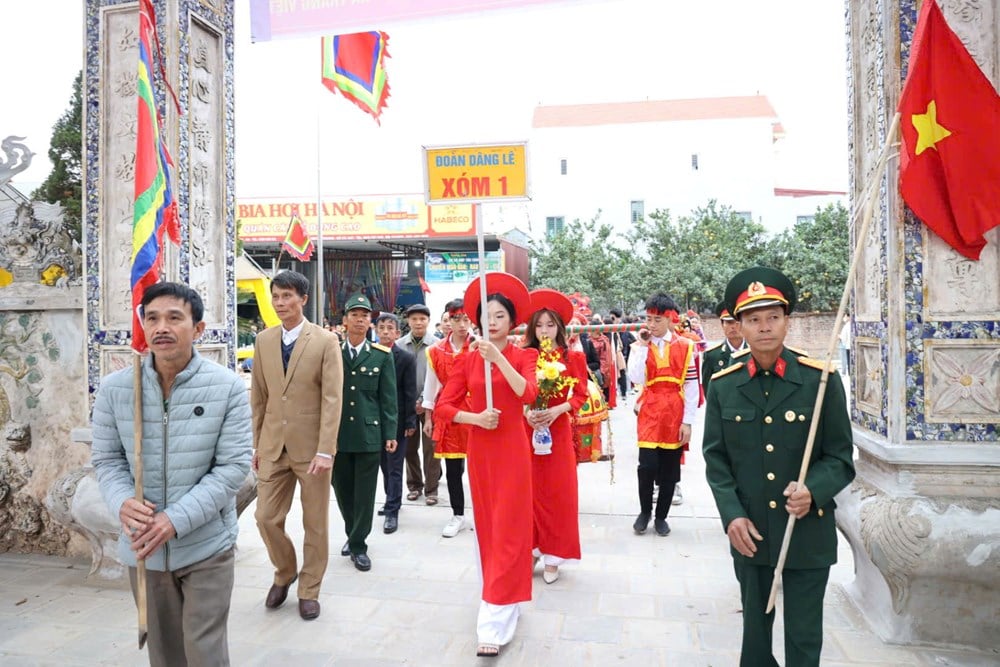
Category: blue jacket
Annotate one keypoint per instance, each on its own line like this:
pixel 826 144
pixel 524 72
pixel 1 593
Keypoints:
pixel 195 455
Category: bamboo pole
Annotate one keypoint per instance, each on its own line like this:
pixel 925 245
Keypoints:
pixel 140 564
pixel 834 337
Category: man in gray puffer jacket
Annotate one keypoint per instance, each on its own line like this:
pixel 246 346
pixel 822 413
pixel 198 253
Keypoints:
pixel 196 449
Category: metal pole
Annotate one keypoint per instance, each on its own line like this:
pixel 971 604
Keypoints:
pixel 481 245
pixel 320 303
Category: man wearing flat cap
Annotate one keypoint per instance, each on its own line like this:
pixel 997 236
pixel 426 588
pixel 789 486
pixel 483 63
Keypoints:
pixel 367 425
pixel 757 421
pixel 420 478
pixel 720 356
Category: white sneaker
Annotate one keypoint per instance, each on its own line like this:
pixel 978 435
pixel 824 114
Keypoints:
pixel 454 525
pixel 678 496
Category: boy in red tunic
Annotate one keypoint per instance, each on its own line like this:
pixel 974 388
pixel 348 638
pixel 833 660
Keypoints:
pixel 665 366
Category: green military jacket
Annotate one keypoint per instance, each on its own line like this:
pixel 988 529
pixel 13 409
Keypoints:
pixel 716 359
pixel 753 447
pixel 369 413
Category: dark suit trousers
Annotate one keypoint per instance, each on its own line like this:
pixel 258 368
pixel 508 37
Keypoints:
pixel 662 466
pixel 355 475
pixel 391 464
pixel 428 480
pixel 802 598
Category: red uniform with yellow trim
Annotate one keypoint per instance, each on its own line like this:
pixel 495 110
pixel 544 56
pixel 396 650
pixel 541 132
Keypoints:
pixel 661 406
pixel 451 441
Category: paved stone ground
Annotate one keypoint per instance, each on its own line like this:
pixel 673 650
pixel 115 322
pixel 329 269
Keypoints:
pixel 631 600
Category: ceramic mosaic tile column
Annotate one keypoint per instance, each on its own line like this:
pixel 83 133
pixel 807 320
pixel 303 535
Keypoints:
pixel 197 46
pixel 923 516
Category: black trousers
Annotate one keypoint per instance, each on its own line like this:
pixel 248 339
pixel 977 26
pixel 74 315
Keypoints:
pixel 662 466
pixel 454 469
pixel 391 464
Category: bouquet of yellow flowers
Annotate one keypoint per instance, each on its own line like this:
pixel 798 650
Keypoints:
pixel 549 372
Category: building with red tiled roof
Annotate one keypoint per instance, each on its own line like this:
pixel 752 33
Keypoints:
pixel 628 159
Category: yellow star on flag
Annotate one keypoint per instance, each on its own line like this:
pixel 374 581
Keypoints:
pixel 929 132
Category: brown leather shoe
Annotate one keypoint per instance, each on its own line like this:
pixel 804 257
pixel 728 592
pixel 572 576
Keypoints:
pixel 277 595
pixel 308 609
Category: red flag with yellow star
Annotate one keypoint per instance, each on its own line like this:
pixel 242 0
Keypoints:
pixel 950 122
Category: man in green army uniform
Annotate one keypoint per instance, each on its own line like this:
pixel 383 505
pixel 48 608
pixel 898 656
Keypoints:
pixel 367 424
pixel 720 356
pixel 757 421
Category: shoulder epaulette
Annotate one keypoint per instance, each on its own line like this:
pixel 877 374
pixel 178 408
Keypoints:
pixel 727 370
pixel 740 353
pixel 714 347
pixel 796 350
pixel 379 346
pixel 815 363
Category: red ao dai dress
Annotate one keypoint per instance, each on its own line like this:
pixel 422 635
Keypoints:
pixel 500 479
pixel 555 495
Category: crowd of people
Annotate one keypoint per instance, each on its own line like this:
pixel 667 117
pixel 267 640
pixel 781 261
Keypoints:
pixel 328 409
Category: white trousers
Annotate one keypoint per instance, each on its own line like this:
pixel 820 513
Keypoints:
pixel 496 622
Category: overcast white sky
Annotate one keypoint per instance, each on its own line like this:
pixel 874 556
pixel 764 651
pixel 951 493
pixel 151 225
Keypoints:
pixel 477 79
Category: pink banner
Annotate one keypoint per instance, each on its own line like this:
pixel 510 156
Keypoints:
pixel 277 19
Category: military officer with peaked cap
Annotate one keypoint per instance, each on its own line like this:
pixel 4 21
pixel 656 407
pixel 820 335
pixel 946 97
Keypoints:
pixel 720 356
pixel 757 421
pixel 367 424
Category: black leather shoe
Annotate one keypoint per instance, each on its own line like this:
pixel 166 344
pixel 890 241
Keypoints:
pixel 381 512
pixel 361 561
pixel 391 524
pixel 308 609
pixel 278 594
pixel 346 549
pixel 641 523
pixel 662 527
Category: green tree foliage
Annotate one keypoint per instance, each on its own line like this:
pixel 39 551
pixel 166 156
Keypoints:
pixel 815 254
pixel 693 257
pixel 687 257
pixel 63 184
pixel 580 258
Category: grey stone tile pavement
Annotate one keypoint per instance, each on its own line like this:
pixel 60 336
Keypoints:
pixel 631 600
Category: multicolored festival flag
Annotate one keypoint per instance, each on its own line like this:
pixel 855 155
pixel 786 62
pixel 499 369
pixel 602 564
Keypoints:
pixel 950 122
pixel 297 241
pixel 354 64
pixel 155 210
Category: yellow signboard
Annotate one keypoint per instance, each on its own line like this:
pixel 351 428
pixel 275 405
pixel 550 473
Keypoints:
pixel 389 217
pixel 476 174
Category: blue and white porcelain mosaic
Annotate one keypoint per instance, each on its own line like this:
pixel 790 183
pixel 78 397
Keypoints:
pixel 221 16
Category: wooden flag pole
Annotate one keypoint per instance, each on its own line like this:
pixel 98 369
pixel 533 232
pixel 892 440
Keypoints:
pixel 875 188
pixel 140 563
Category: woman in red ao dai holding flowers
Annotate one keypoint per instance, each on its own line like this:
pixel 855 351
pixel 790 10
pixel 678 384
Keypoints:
pixel 499 455
pixel 555 497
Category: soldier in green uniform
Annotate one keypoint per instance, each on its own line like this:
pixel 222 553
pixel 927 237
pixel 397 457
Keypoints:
pixel 367 424
pixel 757 421
pixel 720 356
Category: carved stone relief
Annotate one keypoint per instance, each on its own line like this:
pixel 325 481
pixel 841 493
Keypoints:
pixel 868 376
pixel 958 288
pixel 206 169
pixel 973 21
pixel 35 246
pixel 895 541
pixel 963 381
pixel 866 38
pixel 119 55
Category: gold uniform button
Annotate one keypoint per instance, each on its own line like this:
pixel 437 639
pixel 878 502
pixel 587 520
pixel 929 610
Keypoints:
pixel 352 402
pixel 769 447
pixel 802 418
pixel 768 420
pixel 354 372
pixel 721 362
pixel 772 505
pixel 790 416
pixel 770 476
pixel 376 422
pixel 819 511
pixel 351 418
pixel 739 418
pixel 376 370
pixel 363 369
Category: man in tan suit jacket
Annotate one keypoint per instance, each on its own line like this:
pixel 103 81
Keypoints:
pixel 297 382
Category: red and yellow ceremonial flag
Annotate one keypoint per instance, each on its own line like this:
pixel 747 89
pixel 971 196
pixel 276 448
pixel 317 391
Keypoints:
pixel 950 122
pixel 297 241
pixel 155 211
pixel 354 64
